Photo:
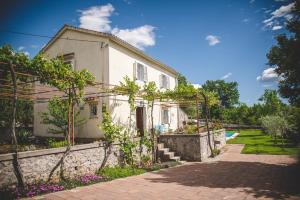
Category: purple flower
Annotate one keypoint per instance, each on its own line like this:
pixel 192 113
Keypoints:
pixel 89 178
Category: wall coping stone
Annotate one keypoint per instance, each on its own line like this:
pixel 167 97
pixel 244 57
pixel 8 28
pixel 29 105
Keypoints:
pixel 203 134
pixel 35 153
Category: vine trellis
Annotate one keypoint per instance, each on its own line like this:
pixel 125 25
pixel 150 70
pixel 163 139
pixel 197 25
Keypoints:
pixel 52 77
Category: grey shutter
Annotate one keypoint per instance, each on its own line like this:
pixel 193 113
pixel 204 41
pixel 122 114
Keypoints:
pixel 145 74
pixel 134 71
pixel 160 81
pixel 162 115
pixel 169 115
pixel 168 82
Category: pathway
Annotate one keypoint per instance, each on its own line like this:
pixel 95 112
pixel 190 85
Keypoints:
pixel 231 176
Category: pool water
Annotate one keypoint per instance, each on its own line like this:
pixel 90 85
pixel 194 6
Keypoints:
pixel 229 134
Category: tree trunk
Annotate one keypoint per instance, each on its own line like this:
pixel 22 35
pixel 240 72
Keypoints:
pixel 198 116
pixel 153 135
pixel 107 152
pixel 73 126
pixel 16 163
pixel 207 125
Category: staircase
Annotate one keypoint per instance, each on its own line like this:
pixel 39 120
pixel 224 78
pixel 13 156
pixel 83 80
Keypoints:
pixel 165 154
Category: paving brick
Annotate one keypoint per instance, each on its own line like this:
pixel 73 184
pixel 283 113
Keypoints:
pixel 231 176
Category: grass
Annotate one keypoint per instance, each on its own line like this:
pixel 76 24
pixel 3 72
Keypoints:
pixel 120 172
pixel 116 172
pixel 256 142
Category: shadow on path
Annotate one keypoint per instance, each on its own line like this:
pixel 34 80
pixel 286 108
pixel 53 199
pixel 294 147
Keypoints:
pixel 277 181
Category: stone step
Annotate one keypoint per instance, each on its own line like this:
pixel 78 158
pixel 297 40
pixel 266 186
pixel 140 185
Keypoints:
pixel 164 150
pixel 176 158
pixel 160 146
pixel 165 154
pixel 170 154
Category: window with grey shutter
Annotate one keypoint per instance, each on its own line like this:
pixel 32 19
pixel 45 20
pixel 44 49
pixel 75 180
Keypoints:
pixel 134 71
pixel 164 81
pixel 165 116
pixel 141 72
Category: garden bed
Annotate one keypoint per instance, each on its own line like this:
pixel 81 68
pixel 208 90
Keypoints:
pixel 106 174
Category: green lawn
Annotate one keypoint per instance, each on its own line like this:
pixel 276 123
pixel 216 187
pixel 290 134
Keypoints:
pixel 258 143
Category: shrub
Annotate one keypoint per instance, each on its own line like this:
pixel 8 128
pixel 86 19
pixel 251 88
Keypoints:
pixel 120 172
pixel 53 143
pixel 190 129
pixel 274 125
pixel 145 161
pixel 216 151
pixel 23 136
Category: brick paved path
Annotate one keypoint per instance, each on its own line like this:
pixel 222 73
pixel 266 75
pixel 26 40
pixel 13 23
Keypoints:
pixel 231 176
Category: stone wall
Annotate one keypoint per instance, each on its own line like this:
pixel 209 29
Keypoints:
pixel 193 147
pixel 37 165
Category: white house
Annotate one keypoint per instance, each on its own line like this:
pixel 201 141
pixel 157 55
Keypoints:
pixel 110 59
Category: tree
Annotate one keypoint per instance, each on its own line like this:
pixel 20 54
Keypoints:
pixel 150 94
pixel 285 58
pixel 181 80
pixel 131 89
pixel 24 115
pixel 275 126
pixel 271 103
pixel 227 91
pixel 57 116
pixel 111 133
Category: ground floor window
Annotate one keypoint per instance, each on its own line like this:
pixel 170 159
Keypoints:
pixel 93 109
pixel 165 116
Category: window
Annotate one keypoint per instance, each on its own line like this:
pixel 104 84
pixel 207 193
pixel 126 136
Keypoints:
pixel 164 81
pixel 93 110
pixel 165 116
pixel 140 72
pixel 69 59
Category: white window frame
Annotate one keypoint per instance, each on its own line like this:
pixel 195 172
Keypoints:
pixel 70 59
pixel 93 109
pixel 165 115
pixel 164 81
pixel 140 72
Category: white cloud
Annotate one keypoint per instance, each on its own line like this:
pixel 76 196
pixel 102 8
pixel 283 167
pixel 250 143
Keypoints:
pixel 251 1
pixel 268 75
pixel 276 28
pixel 196 85
pixel 96 18
pixel 34 46
pixel 212 40
pixel 246 20
pixel 26 53
pixel 20 48
pixel 139 37
pixel 226 76
pixel 283 11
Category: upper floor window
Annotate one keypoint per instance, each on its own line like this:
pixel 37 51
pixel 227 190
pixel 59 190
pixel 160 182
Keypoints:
pixel 164 81
pixel 69 59
pixel 140 72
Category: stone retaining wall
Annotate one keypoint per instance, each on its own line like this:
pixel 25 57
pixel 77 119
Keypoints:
pixel 193 147
pixel 37 165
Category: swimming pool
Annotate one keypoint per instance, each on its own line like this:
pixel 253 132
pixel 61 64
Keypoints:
pixel 229 134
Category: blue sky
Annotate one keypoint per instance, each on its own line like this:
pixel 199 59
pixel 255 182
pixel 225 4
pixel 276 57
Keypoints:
pixel 204 40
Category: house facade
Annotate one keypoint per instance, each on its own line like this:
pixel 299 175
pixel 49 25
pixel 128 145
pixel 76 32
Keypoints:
pixel 110 59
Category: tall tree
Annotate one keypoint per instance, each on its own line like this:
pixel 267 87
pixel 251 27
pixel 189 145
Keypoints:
pixel 271 103
pixel 227 91
pixel 285 57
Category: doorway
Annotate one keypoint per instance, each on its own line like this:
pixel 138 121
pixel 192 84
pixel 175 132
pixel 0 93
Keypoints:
pixel 140 122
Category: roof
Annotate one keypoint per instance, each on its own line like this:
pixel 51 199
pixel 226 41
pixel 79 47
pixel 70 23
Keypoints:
pixel 110 37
